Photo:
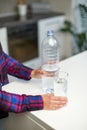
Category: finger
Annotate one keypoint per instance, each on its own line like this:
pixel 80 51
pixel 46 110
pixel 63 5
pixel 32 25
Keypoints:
pixel 59 98
pixel 59 102
pixel 46 73
pixel 56 107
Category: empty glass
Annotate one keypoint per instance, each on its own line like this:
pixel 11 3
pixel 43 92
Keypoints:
pixel 60 83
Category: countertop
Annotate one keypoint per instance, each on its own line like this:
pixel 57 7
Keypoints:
pixel 9 21
pixel 74 115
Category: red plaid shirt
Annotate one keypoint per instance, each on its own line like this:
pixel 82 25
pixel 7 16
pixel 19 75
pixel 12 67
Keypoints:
pixel 14 102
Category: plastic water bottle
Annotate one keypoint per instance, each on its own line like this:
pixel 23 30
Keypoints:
pixel 50 61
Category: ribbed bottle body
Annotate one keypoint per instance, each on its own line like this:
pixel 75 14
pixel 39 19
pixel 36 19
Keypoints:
pixel 50 60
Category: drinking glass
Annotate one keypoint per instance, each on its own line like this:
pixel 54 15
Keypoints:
pixel 60 83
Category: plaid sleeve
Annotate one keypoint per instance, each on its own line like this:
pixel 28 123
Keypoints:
pixel 17 69
pixel 19 103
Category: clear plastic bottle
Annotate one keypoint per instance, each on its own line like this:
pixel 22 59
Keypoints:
pixel 50 61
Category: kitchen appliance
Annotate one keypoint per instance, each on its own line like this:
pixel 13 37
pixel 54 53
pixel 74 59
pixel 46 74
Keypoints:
pixel 22 41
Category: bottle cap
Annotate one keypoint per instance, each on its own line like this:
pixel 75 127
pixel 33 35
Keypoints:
pixel 50 33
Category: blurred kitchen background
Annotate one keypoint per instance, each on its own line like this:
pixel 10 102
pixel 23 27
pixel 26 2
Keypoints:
pixel 21 33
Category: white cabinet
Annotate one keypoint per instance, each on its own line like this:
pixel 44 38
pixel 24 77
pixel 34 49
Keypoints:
pixel 53 23
pixel 3 39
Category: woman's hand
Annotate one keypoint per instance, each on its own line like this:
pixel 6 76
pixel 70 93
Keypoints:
pixel 52 102
pixel 36 73
pixel 39 72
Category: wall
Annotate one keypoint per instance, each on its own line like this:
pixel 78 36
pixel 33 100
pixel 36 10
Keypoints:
pixel 60 6
pixel 9 7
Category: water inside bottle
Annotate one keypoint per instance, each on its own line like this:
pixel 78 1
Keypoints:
pixel 48 78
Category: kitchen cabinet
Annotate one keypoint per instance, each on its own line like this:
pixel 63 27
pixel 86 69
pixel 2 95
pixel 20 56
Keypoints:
pixel 4 39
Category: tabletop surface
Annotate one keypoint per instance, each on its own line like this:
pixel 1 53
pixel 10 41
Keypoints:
pixel 74 115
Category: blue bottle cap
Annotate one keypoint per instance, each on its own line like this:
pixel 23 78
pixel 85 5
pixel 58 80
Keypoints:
pixel 50 33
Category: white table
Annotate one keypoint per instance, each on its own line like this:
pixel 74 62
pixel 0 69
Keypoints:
pixel 74 115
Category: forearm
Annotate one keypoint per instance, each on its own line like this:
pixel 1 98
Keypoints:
pixel 17 69
pixel 19 103
pixel 20 71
